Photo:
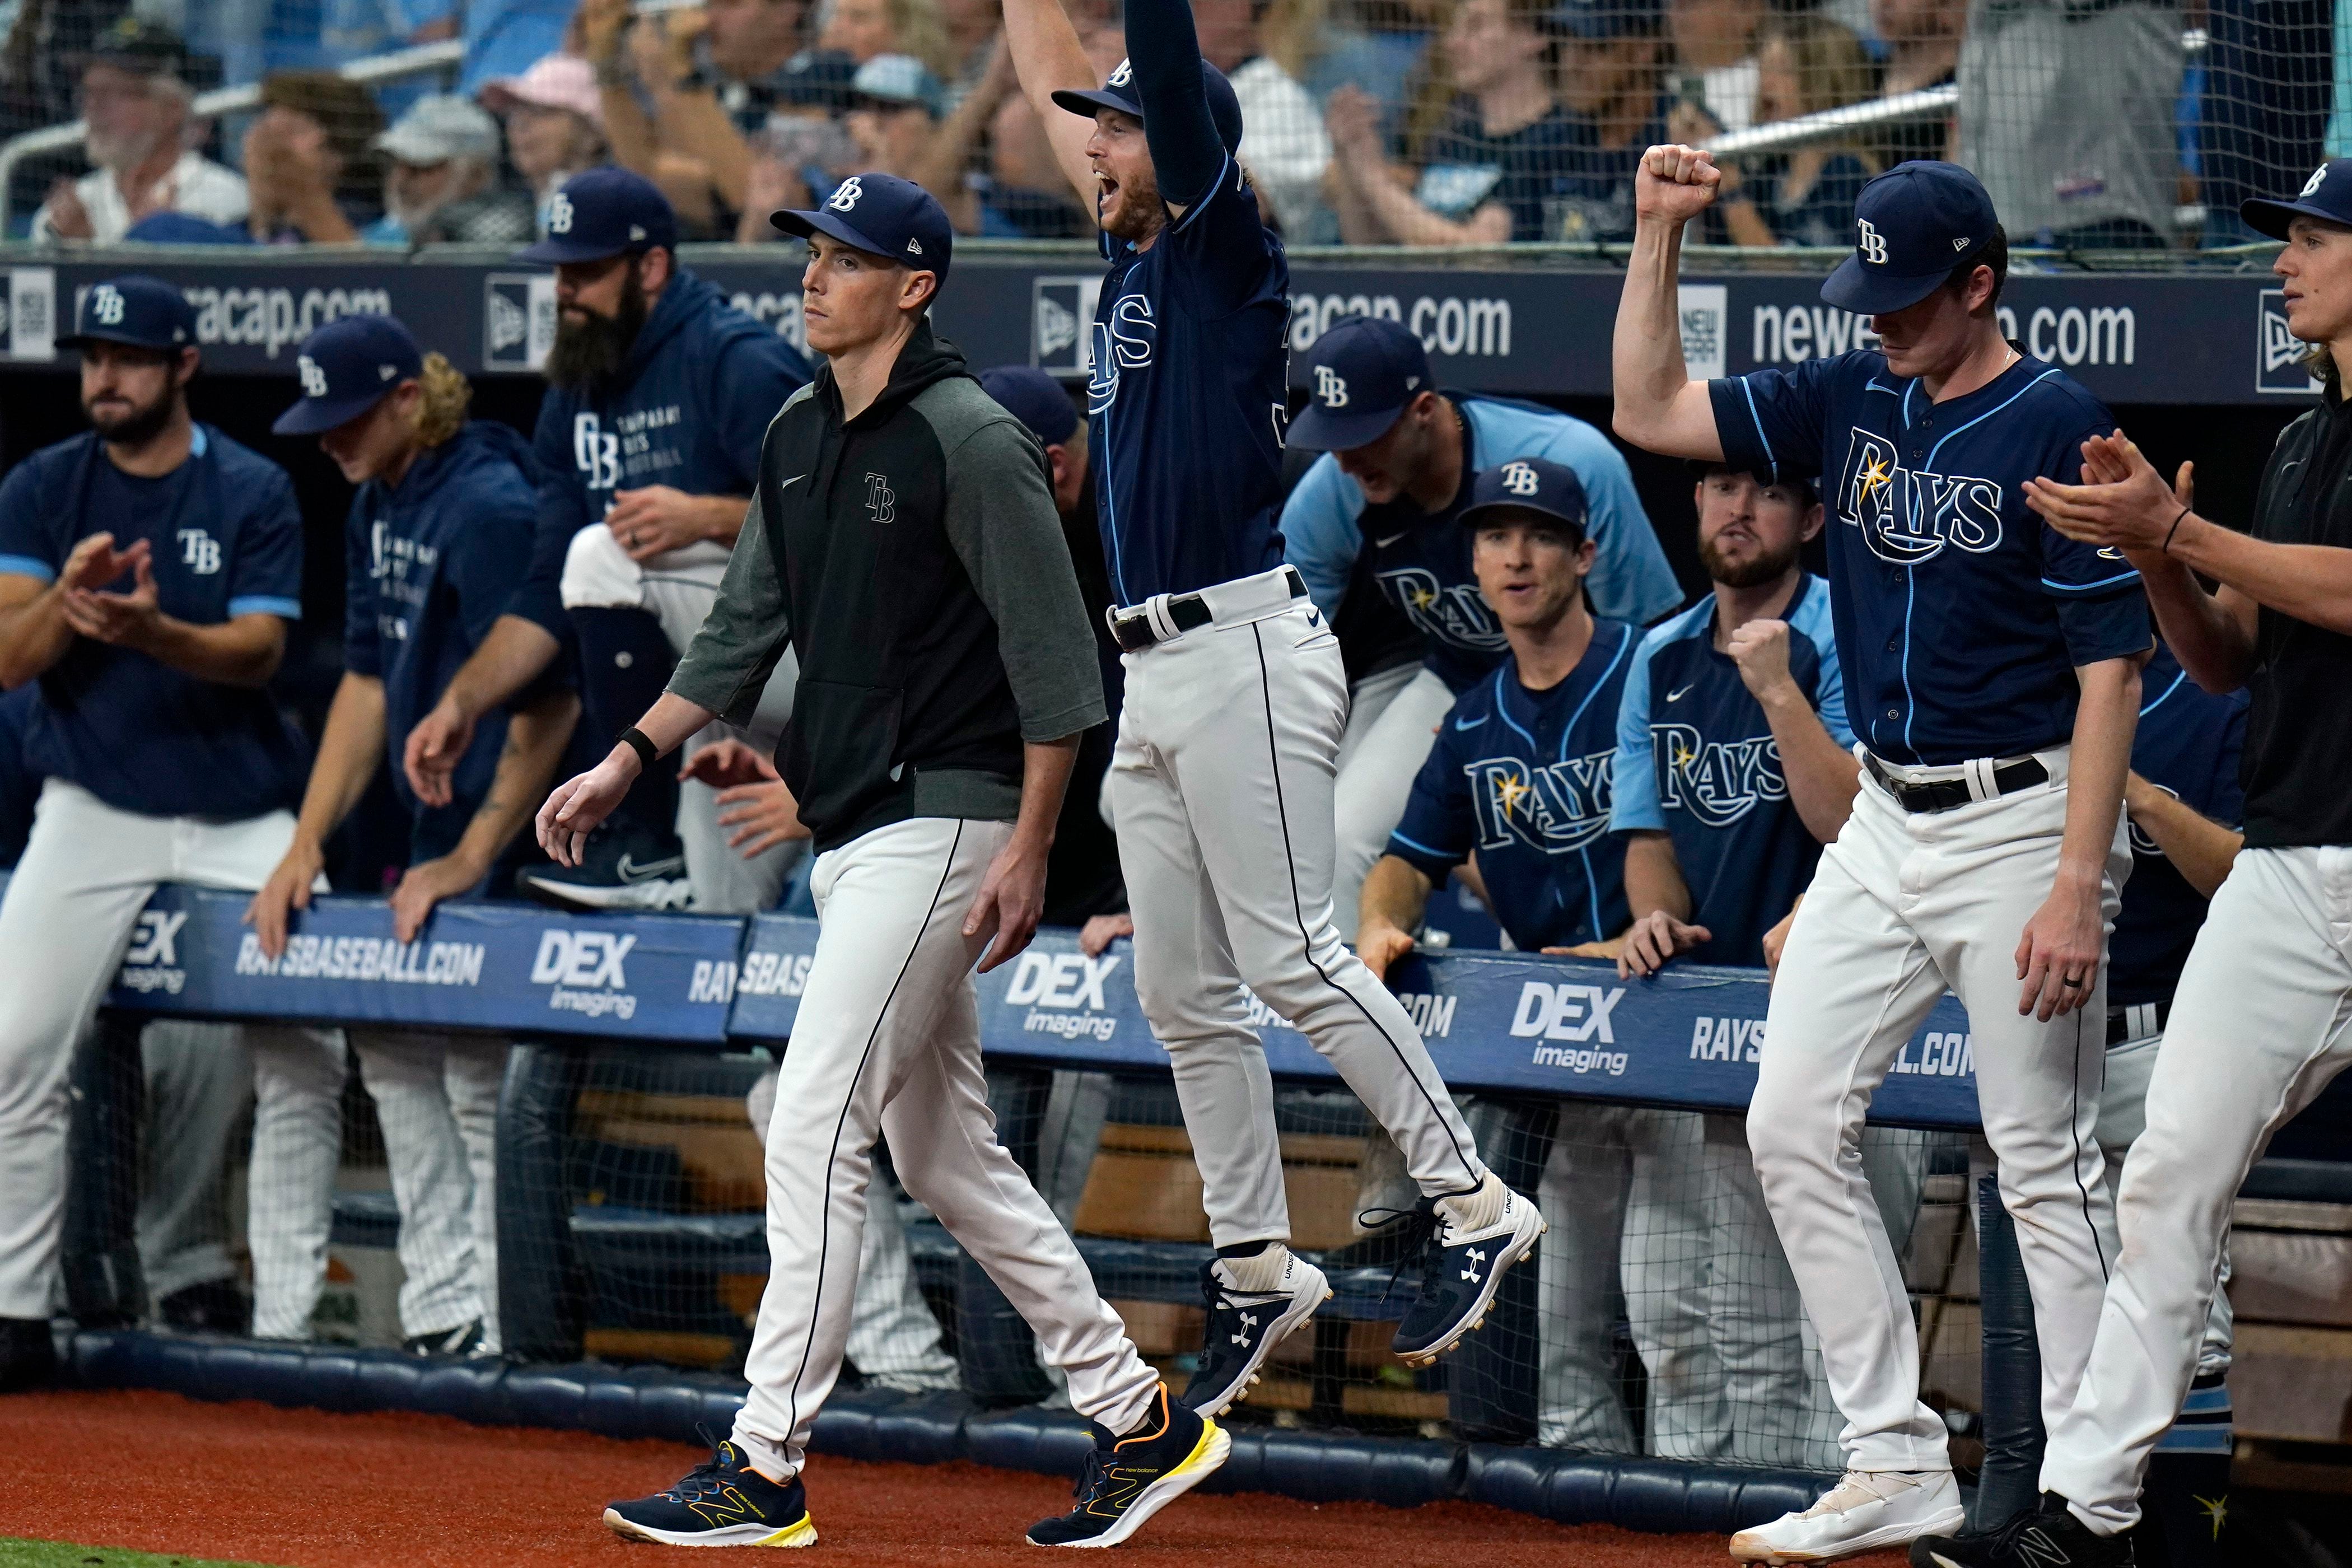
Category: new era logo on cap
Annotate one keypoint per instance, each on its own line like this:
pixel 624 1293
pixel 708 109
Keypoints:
pixel 1909 225
pixel 140 311
pixel 882 215
pixel 603 213
pixel 1361 375
pixel 346 368
pixel 1527 485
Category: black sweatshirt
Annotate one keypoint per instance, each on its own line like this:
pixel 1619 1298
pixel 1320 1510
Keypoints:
pixel 926 590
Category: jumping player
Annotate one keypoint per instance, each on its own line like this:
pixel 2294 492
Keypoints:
pixel 2258 1024
pixel 903 539
pixel 1222 779
pixel 1991 673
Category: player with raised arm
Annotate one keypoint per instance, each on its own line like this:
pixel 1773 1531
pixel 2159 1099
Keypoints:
pixel 1991 671
pixel 1222 779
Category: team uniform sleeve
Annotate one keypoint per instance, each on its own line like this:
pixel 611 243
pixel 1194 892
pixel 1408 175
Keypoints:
pixel 1634 805
pixel 31 542
pixel 1322 531
pixel 1631 580
pixel 489 557
pixel 1439 828
pixel 561 512
pixel 1225 244
pixel 1816 622
pixel 1771 420
pixel 266 578
pixel 363 653
pixel 2102 607
pixel 726 665
pixel 753 379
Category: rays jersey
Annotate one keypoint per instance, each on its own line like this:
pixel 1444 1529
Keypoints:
pixel 1697 760
pixel 2187 744
pixel 1523 779
pixel 1188 393
pixel 1420 561
pixel 1960 614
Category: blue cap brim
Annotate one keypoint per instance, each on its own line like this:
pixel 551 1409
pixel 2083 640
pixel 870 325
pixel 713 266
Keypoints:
pixel 2275 217
pixel 1318 430
pixel 1472 516
pixel 317 416
pixel 1868 291
pixel 129 341
pixel 554 252
pixel 800 224
pixel 1090 101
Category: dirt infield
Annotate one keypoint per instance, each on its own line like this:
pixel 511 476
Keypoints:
pixel 248 1483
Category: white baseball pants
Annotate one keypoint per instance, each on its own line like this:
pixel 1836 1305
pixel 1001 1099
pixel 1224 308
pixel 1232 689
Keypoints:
pixel 1393 719
pixel 679 589
pixel 437 1098
pixel 2261 1023
pixel 198 1078
pixel 1903 906
pixel 66 921
pixel 888 1040
pixel 1221 787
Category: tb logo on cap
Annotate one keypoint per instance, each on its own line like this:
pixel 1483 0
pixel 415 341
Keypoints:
pixel 845 198
pixel 1330 386
pixel 558 215
pixel 1520 479
pixel 1873 244
pixel 1121 77
pixel 314 380
pixel 2319 178
pixel 106 302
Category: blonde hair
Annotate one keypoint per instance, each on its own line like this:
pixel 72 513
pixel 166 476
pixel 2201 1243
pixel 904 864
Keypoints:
pixel 1292 33
pixel 445 395
pixel 1833 69
pixel 919 28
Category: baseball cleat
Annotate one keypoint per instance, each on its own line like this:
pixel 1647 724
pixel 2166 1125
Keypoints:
pixel 722 1502
pixel 1460 1271
pixel 1244 1329
pixel 622 867
pixel 466 1338
pixel 1128 1479
pixel 1866 1510
pixel 2049 1536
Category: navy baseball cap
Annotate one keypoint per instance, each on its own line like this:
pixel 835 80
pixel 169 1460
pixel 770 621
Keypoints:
pixel 1912 225
pixel 1360 376
pixel 883 216
pixel 1527 484
pixel 347 366
pixel 144 312
pixel 1119 94
pixel 603 213
pixel 2327 196
pixel 1035 398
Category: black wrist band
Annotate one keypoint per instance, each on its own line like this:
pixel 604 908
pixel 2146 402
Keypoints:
pixel 2169 533
pixel 634 739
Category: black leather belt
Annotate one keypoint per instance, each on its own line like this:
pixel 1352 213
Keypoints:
pixel 1945 794
pixel 1131 629
pixel 2150 1017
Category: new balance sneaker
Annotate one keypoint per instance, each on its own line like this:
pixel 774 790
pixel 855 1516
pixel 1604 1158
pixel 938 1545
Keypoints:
pixel 1128 1479
pixel 1865 1510
pixel 722 1502
pixel 466 1338
pixel 623 867
pixel 1460 1269
pixel 2045 1537
pixel 1244 1329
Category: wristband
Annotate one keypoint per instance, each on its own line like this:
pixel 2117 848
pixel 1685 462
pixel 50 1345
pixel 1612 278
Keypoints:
pixel 2166 547
pixel 635 740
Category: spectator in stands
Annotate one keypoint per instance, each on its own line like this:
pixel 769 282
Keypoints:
pixel 2268 68
pixel 1807 64
pixel 865 29
pixel 1284 143
pixel 1382 47
pixel 309 161
pixel 435 546
pixel 555 125
pixel 1490 174
pixel 1715 58
pixel 441 185
pixel 1611 77
pixel 1923 51
pixel 2066 116
pixel 659 394
pixel 135 101
pixel 503 38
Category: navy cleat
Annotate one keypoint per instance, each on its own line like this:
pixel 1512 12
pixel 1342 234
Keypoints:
pixel 2049 1536
pixel 1244 1329
pixel 1460 1269
pixel 1128 1479
pixel 724 1502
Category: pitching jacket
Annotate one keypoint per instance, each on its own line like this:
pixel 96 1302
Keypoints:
pixel 913 559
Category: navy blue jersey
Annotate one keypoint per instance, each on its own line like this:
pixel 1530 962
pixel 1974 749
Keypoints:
pixel 2188 745
pixel 1422 559
pixel 429 565
pixel 1961 613
pixel 1697 760
pixel 20 786
pixel 1523 778
pixel 688 410
pixel 1189 392
pixel 227 542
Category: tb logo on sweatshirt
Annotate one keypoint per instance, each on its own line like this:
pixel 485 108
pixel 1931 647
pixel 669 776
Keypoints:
pixel 880 499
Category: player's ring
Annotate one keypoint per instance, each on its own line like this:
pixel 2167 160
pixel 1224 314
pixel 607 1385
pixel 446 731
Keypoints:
pixel 2070 980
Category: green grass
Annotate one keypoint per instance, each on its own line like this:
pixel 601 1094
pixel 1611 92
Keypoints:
pixel 65 1554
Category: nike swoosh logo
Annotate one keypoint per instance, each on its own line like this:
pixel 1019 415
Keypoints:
pixel 1678 696
pixel 630 871
pixel 790 483
pixel 1391 539
pixel 1470 723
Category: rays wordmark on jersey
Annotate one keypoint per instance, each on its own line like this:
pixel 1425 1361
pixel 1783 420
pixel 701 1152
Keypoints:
pixel 1125 339
pixel 1718 782
pixel 1451 613
pixel 1553 806
pixel 1907 517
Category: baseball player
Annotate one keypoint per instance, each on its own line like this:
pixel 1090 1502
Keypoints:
pixel 2258 1023
pixel 649 436
pixel 1236 697
pixel 148 569
pixel 436 547
pixel 903 539
pixel 1991 673
pixel 1377 509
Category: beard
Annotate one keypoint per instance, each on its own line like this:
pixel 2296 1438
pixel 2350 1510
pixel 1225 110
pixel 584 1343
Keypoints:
pixel 1768 567
pixel 135 429
pixel 594 350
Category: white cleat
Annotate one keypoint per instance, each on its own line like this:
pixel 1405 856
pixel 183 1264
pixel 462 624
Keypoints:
pixel 1867 1511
